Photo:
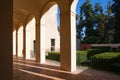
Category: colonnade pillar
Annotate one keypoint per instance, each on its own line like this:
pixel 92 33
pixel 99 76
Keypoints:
pixel 16 43
pixel 67 41
pixel 24 42
pixel 6 40
pixel 40 52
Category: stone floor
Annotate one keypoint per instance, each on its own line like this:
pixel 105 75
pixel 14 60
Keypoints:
pixel 30 70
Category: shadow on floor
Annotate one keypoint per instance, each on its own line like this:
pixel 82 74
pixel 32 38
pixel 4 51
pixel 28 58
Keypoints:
pixel 30 70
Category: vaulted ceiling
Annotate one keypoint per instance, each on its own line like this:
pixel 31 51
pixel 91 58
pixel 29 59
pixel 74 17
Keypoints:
pixel 25 10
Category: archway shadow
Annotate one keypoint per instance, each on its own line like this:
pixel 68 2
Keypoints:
pixel 30 70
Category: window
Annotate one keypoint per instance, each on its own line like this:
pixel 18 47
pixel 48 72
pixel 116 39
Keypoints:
pixel 52 42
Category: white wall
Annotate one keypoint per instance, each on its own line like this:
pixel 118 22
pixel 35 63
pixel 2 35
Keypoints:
pixel 14 42
pixel 49 22
pixel 30 37
pixel 20 42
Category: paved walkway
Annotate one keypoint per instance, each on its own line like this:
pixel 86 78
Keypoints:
pixel 30 70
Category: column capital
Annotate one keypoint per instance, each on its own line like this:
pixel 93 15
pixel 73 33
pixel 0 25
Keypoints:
pixel 68 13
pixel 73 13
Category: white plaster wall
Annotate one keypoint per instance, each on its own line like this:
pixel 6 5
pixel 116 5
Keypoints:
pixel 27 43
pixel 14 42
pixel 30 37
pixel 49 22
pixel 20 42
pixel 48 31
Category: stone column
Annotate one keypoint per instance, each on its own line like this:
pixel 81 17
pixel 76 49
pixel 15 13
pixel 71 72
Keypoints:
pixel 40 52
pixel 16 43
pixel 24 42
pixel 6 52
pixel 6 48
pixel 67 41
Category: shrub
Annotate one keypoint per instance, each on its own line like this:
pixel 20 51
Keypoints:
pixel 53 56
pixel 97 50
pixel 81 56
pixel 109 61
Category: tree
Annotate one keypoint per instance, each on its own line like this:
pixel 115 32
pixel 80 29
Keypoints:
pixel 104 23
pixel 99 22
pixel 97 25
pixel 116 13
pixel 85 22
pixel 109 30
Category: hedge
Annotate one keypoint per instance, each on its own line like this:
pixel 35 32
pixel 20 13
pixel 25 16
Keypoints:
pixel 97 50
pixel 109 61
pixel 53 56
pixel 81 56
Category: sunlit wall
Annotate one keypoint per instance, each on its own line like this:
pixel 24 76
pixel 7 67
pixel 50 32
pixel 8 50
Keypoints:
pixel 20 42
pixel 30 37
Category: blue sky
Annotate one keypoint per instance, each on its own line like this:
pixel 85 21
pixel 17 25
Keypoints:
pixel 103 3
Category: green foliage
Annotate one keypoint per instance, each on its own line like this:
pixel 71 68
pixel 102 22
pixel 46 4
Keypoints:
pixel 99 26
pixel 81 56
pixel 116 13
pixel 90 40
pixel 97 50
pixel 86 14
pixel 109 61
pixel 53 56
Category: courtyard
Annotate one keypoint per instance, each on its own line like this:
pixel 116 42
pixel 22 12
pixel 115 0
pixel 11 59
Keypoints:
pixel 31 70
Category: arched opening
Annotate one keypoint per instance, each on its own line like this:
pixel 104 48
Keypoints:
pixel 14 42
pixel 68 36
pixel 30 40
pixel 20 42
pixel 50 29
pixel 73 34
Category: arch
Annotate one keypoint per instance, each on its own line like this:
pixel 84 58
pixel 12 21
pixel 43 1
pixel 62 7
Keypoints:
pixel 73 32
pixel 68 36
pixel 74 5
pixel 14 42
pixel 49 29
pixel 50 23
pixel 48 5
pixel 16 27
pixel 20 41
pixel 30 37
pixel 67 16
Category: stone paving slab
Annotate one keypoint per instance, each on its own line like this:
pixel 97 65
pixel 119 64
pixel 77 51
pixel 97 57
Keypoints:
pixel 30 70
